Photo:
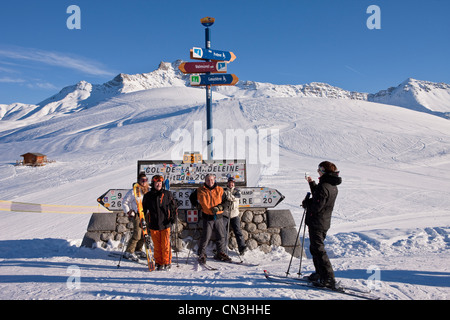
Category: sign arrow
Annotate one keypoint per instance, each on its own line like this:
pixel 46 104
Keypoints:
pixel 209 54
pixel 260 197
pixel 214 80
pixel 112 199
pixel 203 67
pixel 250 197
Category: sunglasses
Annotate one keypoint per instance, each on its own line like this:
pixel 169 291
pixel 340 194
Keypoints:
pixel 143 180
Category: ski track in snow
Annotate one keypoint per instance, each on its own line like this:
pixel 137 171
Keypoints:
pixel 391 212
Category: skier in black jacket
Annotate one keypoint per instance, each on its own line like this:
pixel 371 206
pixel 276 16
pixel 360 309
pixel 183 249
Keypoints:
pixel 160 210
pixel 318 219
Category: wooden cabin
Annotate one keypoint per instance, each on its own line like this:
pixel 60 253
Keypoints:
pixel 34 159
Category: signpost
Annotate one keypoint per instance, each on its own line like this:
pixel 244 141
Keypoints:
pixel 203 66
pixel 112 199
pixel 208 54
pixel 214 80
pixel 215 62
pixel 251 197
pixel 192 174
pixel 258 197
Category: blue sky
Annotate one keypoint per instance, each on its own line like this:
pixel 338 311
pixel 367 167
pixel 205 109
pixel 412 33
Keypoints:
pixel 281 42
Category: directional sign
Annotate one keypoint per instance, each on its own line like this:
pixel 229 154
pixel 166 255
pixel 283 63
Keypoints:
pixel 214 80
pixel 259 197
pixel 209 54
pixel 203 67
pixel 112 199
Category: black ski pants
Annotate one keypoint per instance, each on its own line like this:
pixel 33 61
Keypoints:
pixel 211 225
pixel 235 225
pixel 321 261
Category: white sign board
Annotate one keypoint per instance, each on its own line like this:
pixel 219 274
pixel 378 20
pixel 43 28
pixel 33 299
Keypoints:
pixel 193 174
pixel 259 197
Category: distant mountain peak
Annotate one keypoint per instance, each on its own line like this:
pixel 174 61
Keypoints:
pixel 419 95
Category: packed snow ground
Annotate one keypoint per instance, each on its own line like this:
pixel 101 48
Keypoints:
pixel 391 215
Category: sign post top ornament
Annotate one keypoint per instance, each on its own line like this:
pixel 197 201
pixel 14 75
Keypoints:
pixel 207 21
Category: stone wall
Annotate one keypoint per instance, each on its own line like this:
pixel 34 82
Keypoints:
pixel 106 226
pixel 261 229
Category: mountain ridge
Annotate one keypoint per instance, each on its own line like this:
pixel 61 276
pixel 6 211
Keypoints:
pixel 418 95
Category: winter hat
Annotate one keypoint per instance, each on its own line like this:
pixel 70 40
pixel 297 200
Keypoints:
pixel 328 167
pixel 141 175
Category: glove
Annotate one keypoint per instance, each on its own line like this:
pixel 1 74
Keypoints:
pixel 143 224
pixel 305 201
pixel 131 213
pixel 217 209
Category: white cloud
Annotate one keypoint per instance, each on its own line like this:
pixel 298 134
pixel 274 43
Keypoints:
pixel 11 80
pixel 57 59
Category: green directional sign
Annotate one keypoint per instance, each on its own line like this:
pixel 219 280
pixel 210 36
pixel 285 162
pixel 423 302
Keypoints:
pixel 214 80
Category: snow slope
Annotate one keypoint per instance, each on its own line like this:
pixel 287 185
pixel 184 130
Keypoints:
pixel 391 214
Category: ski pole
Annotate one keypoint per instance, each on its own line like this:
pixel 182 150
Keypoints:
pixel 303 240
pixel 227 236
pixel 176 239
pixel 302 250
pixel 298 233
pixel 296 240
pixel 123 248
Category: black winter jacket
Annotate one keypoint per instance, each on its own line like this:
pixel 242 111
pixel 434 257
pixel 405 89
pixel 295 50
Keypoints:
pixel 160 209
pixel 320 206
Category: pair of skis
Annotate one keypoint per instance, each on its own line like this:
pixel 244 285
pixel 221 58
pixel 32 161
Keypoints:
pixel 242 263
pixel 138 195
pixel 350 291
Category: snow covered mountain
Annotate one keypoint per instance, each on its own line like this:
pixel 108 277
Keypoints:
pixel 418 95
pixel 84 95
pixel 424 96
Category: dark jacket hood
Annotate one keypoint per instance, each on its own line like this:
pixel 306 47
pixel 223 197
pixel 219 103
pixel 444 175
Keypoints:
pixel 331 178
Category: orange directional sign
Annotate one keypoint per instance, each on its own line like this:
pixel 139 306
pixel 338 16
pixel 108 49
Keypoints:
pixel 203 67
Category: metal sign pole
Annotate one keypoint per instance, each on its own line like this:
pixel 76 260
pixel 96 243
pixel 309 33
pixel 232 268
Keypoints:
pixel 209 120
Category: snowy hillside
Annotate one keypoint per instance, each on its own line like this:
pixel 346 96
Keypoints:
pixel 391 215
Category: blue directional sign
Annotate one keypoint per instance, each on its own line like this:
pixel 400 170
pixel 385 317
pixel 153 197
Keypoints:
pixel 209 54
pixel 214 79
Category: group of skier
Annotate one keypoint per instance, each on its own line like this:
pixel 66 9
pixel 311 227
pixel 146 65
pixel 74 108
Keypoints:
pixel 220 211
pixel 160 211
